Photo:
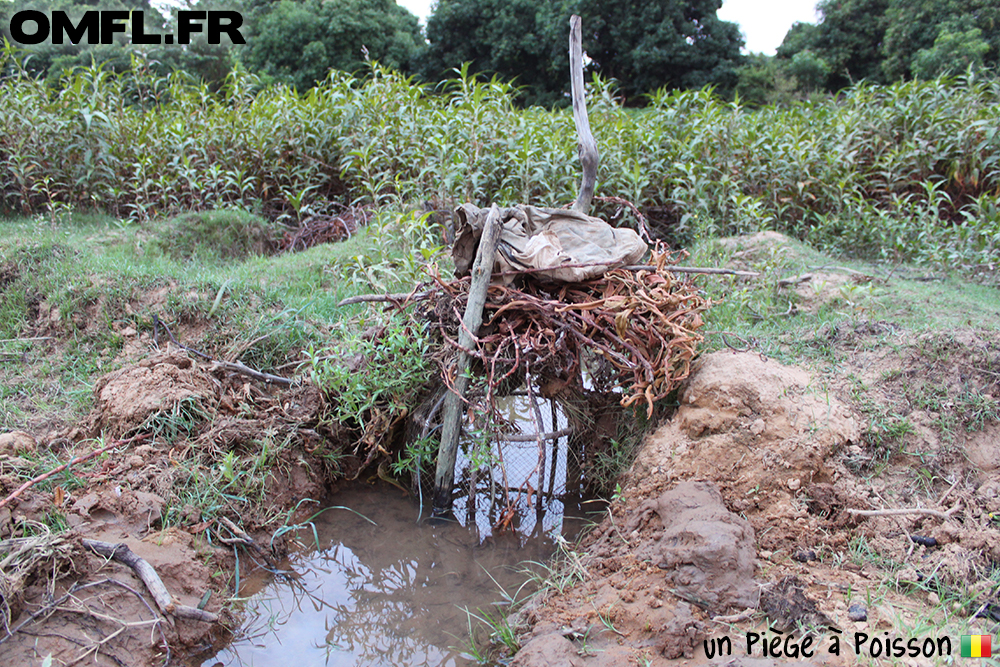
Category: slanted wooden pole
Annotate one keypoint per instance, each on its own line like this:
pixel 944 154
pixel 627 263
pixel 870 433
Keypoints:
pixel 451 419
pixel 586 146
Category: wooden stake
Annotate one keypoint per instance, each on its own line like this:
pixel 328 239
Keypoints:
pixel 451 420
pixel 587 147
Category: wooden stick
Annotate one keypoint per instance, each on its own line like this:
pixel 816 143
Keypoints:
pixel 145 572
pixel 367 298
pixel 693 269
pixel 451 419
pixel 243 538
pixel 79 459
pixel 734 618
pixel 238 367
pixel 586 146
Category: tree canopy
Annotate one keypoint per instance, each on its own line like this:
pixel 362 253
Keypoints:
pixel 298 42
pixel 521 40
pixel 643 44
pixel 647 45
pixel 892 40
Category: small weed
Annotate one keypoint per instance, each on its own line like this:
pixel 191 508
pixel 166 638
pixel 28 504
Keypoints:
pixel 564 570
pixel 180 420
pixel 501 633
pixel 862 553
pixel 608 622
pixel 289 527
pixel 977 409
pixel 375 374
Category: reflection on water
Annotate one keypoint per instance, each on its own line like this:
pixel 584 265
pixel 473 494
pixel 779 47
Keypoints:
pixel 518 484
pixel 387 594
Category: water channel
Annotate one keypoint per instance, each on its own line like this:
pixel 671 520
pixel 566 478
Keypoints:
pixel 388 586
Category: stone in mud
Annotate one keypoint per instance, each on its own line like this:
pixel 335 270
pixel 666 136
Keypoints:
pixel 707 551
pixel 857 612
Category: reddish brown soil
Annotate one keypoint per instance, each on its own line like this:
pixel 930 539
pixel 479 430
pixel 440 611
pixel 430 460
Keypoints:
pixel 786 453
pixel 126 497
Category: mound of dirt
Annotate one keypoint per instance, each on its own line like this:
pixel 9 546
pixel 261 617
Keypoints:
pixel 871 481
pixel 752 426
pixel 127 398
pixel 673 553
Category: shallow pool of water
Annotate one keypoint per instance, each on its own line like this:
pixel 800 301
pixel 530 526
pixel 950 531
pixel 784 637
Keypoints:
pixel 385 589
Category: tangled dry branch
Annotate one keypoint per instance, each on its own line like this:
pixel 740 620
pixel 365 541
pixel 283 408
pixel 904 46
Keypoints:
pixel 643 325
pixel 318 228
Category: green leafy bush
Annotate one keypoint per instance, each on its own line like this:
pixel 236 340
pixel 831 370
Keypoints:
pixel 904 172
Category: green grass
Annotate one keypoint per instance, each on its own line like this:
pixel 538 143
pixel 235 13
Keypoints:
pixel 77 286
pixel 757 310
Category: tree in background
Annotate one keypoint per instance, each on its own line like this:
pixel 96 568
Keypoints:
pixel 520 40
pixel 761 80
pixel 922 34
pixel 646 45
pixel 298 42
pixel 846 43
pixel 208 62
pixel 954 51
pixel 892 40
pixel 643 44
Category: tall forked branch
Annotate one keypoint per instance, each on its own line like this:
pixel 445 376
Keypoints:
pixel 586 146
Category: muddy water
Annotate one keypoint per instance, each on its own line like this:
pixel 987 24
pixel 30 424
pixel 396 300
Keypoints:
pixel 392 592
pixel 389 586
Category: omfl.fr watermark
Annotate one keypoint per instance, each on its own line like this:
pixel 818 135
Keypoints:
pixel 31 26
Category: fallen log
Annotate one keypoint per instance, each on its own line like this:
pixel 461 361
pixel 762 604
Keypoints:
pixel 164 601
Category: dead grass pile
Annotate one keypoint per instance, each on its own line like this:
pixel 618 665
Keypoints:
pixel 33 553
pixel 317 229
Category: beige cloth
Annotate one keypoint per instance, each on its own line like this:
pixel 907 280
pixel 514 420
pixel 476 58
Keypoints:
pixel 559 241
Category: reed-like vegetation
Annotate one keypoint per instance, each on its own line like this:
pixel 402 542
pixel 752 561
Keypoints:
pixel 907 172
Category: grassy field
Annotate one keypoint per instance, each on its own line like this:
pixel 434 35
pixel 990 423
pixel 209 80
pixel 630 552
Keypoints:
pixel 132 202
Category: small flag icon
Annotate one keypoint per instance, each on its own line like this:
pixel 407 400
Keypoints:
pixel 977 646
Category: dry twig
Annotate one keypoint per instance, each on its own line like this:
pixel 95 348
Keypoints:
pixel 944 516
pixel 145 572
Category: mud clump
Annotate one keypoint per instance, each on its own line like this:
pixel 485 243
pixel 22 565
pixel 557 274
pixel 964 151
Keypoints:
pixel 127 399
pixel 16 443
pixel 707 551
pixel 681 635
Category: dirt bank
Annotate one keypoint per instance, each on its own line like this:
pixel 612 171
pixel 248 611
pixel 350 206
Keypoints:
pixel 739 514
pixel 189 445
